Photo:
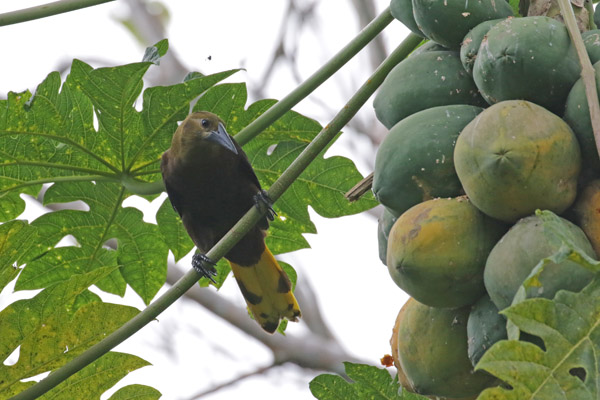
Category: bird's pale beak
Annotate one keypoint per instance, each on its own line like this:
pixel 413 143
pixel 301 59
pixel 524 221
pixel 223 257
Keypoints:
pixel 221 137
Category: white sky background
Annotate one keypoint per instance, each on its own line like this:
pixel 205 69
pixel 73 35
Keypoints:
pixel 357 296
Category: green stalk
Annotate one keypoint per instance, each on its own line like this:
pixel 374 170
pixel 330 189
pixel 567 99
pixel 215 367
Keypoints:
pixel 316 79
pixel 588 74
pixel 46 10
pixel 320 142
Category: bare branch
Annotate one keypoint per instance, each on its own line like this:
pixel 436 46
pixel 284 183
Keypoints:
pixel 311 351
pixel 234 381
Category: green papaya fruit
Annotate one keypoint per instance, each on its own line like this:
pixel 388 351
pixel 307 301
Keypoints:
pixel 577 115
pixel 485 327
pixel 429 79
pixel 447 22
pixel 521 249
pixel 591 40
pixel 472 41
pixel 428 46
pixel 415 160
pixel 384 225
pixel 432 352
pixel 437 251
pixel 597 16
pixel 516 157
pixel 528 58
pixel 402 10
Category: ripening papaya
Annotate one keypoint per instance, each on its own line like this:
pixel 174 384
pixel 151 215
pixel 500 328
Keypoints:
pixel 422 81
pixel 414 162
pixel 516 157
pixel 586 212
pixel 529 58
pixel 521 249
pixel 447 22
pixel 437 251
pixel 432 352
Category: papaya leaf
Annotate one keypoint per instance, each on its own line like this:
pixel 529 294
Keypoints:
pixel 554 229
pixel 172 230
pixel 49 330
pixel 50 137
pixel 98 377
pixel 154 53
pixel 136 392
pixel 369 382
pixel 322 185
pixel 15 239
pixel 569 325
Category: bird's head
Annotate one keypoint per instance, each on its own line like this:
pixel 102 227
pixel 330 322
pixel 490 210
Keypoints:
pixel 200 128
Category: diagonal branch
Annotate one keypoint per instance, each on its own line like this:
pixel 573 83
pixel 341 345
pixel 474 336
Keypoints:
pixel 235 380
pixel 248 221
pixel 46 10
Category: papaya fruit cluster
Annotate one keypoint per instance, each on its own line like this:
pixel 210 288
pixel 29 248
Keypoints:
pixel 488 122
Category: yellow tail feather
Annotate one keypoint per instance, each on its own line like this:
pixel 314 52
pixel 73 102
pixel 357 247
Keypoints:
pixel 267 290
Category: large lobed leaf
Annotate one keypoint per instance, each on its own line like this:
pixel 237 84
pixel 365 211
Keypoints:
pixel 569 326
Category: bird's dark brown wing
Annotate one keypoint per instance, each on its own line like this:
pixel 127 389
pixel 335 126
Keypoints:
pixel 248 172
pixel 245 165
pixel 174 196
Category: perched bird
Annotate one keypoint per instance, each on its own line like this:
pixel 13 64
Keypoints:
pixel 211 184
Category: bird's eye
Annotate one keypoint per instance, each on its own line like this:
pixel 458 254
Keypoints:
pixel 205 123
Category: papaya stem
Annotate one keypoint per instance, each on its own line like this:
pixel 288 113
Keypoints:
pixel 316 79
pixel 588 73
pixel 46 10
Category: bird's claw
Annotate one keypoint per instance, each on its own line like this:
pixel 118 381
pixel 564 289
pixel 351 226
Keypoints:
pixel 204 266
pixel 263 202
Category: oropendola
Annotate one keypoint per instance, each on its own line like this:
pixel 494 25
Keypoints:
pixel 211 184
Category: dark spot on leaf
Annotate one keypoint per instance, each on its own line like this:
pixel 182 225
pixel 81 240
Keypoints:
pixel 578 372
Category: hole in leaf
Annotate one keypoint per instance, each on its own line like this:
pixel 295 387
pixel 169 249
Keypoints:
pixel 110 244
pixel 71 205
pixel 533 339
pixel 95 122
pixel 271 149
pixel 68 240
pixel 13 357
pixel 578 372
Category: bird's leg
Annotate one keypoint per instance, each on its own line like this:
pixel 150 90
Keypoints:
pixel 204 266
pixel 263 202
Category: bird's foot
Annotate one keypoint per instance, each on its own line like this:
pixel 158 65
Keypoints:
pixel 263 202
pixel 204 266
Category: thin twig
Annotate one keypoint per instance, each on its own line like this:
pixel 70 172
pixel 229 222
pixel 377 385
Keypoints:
pixel 235 380
pixel 46 10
